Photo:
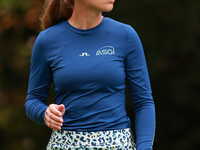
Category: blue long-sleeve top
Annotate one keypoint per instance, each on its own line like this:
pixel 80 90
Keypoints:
pixel 89 69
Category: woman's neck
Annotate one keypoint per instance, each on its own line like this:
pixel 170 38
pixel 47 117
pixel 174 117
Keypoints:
pixel 83 18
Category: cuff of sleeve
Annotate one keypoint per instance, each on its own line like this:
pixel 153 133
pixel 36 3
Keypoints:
pixel 41 121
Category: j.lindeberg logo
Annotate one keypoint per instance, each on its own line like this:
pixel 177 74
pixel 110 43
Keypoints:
pixel 106 50
pixel 84 54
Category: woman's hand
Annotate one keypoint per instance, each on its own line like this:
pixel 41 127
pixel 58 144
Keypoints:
pixel 53 116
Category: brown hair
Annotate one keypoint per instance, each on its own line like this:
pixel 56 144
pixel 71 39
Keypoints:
pixel 56 11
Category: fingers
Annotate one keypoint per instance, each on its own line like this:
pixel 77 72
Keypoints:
pixel 61 108
pixel 53 116
pixel 55 110
pixel 52 124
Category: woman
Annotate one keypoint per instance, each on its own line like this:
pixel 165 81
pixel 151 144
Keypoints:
pixel 88 58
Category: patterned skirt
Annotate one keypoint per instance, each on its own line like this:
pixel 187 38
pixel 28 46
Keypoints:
pixel 121 139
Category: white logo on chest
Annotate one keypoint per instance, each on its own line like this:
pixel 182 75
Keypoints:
pixel 84 54
pixel 106 50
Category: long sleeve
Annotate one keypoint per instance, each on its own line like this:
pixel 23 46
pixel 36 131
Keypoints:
pixel 39 84
pixel 141 94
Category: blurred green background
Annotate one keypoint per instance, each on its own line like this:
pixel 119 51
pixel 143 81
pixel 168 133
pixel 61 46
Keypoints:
pixel 170 33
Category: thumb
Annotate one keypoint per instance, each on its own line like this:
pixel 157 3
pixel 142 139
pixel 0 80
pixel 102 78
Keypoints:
pixel 61 108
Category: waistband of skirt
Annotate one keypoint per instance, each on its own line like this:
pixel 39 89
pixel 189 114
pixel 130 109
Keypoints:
pixel 114 131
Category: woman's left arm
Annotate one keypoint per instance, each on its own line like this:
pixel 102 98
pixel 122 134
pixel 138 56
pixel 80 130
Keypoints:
pixel 141 94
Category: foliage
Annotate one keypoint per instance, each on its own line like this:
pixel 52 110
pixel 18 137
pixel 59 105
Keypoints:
pixel 170 34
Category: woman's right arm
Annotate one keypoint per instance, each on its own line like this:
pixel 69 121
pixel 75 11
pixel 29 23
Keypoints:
pixel 39 83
